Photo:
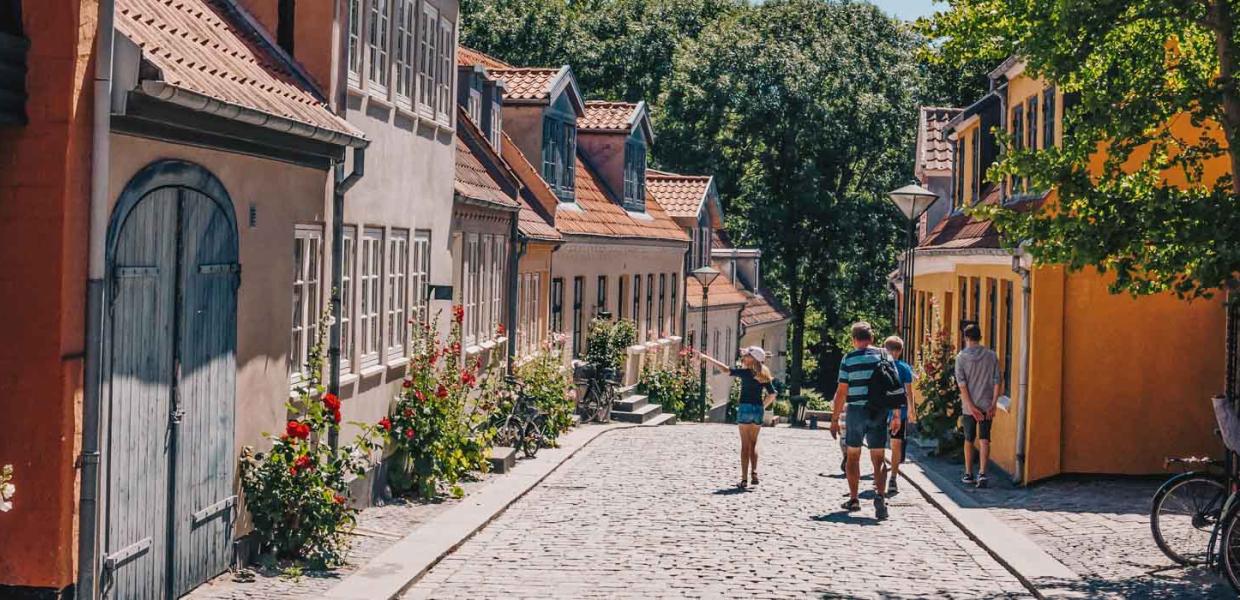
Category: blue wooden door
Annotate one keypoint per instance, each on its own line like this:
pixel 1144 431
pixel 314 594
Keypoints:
pixel 173 353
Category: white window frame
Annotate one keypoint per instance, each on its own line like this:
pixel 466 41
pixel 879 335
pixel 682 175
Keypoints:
pixel 307 297
pixel 382 50
pixel 348 280
pixel 471 253
pixel 446 72
pixel 397 307
pixel 370 307
pixel 421 276
pixel 428 44
pixel 355 43
pixel 404 57
pixel 498 258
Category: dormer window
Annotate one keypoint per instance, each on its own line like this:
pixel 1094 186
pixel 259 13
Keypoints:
pixel 495 115
pixel 635 174
pixel 559 152
pixel 473 103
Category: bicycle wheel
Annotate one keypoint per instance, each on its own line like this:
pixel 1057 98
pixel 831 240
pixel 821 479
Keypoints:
pixel 603 410
pixel 532 439
pixel 1229 546
pixel 1183 515
pixel 508 435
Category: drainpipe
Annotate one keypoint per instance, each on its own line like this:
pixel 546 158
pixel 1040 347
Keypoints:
pixel 342 185
pixel 88 504
pixel 1022 397
pixel 516 249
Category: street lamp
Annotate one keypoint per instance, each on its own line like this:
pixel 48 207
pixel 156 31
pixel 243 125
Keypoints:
pixel 912 200
pixel 705 276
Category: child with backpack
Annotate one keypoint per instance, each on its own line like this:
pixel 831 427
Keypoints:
pixel 899 424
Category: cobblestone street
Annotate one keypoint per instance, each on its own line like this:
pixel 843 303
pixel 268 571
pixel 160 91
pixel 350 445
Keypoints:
pixel 653 513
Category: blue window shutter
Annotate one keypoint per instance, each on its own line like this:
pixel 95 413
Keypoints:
pixel 570 158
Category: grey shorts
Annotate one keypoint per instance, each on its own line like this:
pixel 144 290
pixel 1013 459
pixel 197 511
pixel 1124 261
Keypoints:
pixel 864 425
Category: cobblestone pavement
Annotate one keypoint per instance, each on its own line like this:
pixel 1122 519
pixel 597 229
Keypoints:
pixel 653 513
pixel 378 527
pixel 1098 528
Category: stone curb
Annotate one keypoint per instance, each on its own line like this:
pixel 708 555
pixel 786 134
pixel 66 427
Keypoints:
pixel 1012 549
pixel 396 569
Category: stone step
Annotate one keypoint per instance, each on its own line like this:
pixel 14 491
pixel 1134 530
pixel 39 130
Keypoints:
pixel 502 459
pixel 663 419
pixel 639 416
pixel 626 391
pixel 630 403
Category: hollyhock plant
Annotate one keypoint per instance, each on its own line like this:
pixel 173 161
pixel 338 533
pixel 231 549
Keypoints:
pixel 296 492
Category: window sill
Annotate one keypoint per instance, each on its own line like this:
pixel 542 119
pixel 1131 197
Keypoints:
pixel 355 89
pixel 347 379
pixel 379 98
pixel 398 362
pixel 372 371
pixel 410 114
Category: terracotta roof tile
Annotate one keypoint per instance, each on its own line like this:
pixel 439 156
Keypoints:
pixel 467 57
pixel 538 202
pixel 934 150
pixel 680 195
pixel 474 181
pixel 763 308
pixel 203 46
pixel 526 83
pixel 607 116
pixel 596 212
pixel 960 230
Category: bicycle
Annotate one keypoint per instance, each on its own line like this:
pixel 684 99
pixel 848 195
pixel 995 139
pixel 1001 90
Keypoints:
pixel 523 426
pixel 601 392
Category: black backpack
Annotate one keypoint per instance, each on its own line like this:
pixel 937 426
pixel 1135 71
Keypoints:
pixel 885 392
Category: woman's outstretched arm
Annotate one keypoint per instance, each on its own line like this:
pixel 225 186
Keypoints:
pixel 717 364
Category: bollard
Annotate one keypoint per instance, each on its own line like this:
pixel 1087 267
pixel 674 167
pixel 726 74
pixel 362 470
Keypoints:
pixel 813 421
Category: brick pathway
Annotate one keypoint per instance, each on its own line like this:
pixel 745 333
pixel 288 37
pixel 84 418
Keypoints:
pixel 1098 528
pixel 651 513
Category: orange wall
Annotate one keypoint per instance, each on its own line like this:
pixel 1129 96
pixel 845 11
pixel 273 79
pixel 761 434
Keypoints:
pixel 44 192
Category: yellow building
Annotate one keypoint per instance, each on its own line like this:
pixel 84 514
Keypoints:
pixel 1102 383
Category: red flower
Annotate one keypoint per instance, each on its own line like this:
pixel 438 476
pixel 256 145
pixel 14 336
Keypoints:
pixel 292 471
pixel 409 413
pixel 434 357
pixel 332 402
pixel 408 434
pixel 336 416
pixel 408 383
pixel 468 378
pixel 297 430
pixel 385 423
pixel 458 313
pixel 420 396
pixel 442 391
pixel 339 499
pixel 499 330
pixel 455 348
pixel 303 463
pixel 284 438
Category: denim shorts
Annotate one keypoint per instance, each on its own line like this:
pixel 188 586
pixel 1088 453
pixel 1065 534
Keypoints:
pixel 862 424
pixel 751 414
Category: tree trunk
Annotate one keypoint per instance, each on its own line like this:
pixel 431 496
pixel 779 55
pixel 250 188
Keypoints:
pixel 797 375
pixel 1224 45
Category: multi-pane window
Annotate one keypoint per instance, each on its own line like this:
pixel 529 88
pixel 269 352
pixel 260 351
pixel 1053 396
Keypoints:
pixel 446 71
pixel 355 42
pixel 557 305
pixel 964 306
pixel 1007 336
pixel 483 285
pixel 1018 142
pixel 1048 118
pixel 650 332
pixel 579 285
pixel 528 330
pixel 471 296
pixel 499 255
pixel 559 153
pixel 397 294
pixel 715 347
pixel 406 30
pixel 348 243
pixel 370 285
pixel 727 345
pixel 378 44
pixel 662 304
pixel 421 276
pixel 675 305
pixel 473 101
pixel 992 311
pixel 1031 129
pixel 637 305
pixel 427 59
pixel 976 159
pixel 621 297
pixel 957 174
pixel 635 176
pixel 497 119
pixel 975 302
pixel 600 305
pixel 307 275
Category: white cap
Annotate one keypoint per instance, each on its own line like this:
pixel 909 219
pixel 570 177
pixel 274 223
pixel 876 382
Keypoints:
pixel 757 353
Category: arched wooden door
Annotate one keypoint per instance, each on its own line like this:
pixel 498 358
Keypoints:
pixel 171 373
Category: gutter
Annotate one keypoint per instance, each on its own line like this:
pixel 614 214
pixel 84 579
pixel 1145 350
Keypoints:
pixel 342 185
pixel 180 96
pixel 517 244
pixel 1022 398
pixel 88 501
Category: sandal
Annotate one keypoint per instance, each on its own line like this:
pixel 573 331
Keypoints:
pixel 851 505
pixel 753 478
pixel 742 485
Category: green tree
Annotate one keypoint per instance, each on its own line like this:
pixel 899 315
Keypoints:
pixel 1132 68
pixel 804 111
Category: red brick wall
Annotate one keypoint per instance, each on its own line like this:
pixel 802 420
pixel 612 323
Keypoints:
pixel 44 200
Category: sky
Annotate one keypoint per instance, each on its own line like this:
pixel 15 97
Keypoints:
pixel 908 10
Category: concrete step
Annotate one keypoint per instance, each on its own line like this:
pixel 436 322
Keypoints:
pixel 627 391
pixel 663 419
pixel 502 459
pixel 630 403
pixel 639 416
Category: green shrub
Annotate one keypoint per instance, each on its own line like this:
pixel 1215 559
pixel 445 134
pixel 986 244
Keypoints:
pixel 608 342
pixel 782 407
pixel 734 400
pixel 676 388
pixel 547 382
pixel 939 409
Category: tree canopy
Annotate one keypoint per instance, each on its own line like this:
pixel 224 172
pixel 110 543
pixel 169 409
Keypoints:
pixel 1154 84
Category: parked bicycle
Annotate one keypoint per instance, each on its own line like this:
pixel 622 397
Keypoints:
pixel 520 424
pixel 1195 515
pixel 602 390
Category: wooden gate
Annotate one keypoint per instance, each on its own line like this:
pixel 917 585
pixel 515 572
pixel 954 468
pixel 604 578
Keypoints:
pixel 171 352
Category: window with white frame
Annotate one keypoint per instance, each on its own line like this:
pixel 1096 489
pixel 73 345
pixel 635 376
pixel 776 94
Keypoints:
pixel 675 306
pixel 378 41
pixel 421 276
pixel 397 294
pixel 559 153
pixel 355 43
pixel 662 324
pixel 635 175
pixel 484 290
pixel 446 71
pixel 348 262
pixel 470 267
pixel 307 304
pixel 406 34
pixel 535 312
pixel 427 53
pixel 498 258
pixel 370 285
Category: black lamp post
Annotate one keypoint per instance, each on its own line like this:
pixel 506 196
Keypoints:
pixel 705 276
pixel 912 200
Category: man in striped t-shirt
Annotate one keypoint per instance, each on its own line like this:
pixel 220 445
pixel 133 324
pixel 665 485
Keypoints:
pixel 862 424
